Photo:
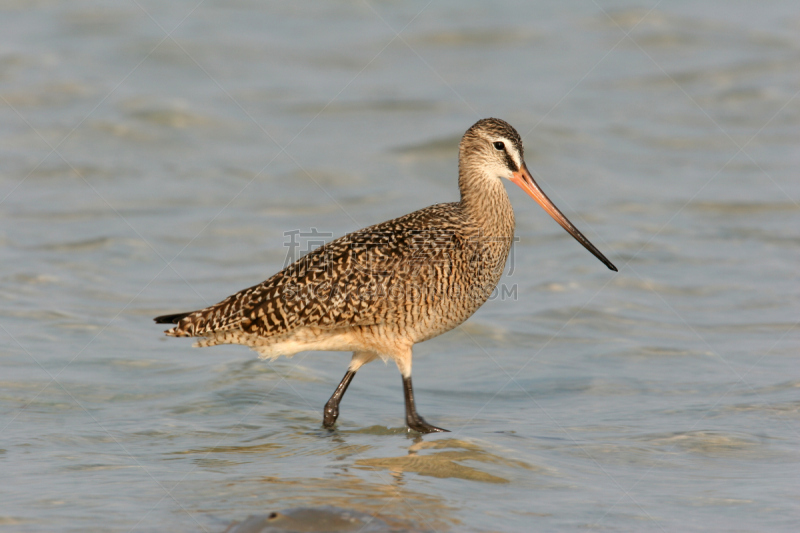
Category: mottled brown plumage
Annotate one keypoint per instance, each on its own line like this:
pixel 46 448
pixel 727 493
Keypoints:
pixel 380 290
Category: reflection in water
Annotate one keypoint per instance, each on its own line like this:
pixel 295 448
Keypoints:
pixel 368 489
pixel 391 501
pixel 444 464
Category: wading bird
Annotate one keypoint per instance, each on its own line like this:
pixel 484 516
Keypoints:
pixel 380 290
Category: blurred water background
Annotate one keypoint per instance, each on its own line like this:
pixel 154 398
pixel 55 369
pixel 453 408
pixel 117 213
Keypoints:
pixel 154 155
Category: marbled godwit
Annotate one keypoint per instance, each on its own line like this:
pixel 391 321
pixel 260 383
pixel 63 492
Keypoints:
pixel 378 291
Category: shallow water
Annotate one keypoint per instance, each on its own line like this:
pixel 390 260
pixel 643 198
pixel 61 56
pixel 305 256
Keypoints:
pixel 154 155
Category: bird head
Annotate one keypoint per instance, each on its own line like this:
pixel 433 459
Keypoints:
pixel 493 149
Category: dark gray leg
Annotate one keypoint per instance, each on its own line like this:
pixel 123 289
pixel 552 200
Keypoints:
pixel 413 420
pixel 331 411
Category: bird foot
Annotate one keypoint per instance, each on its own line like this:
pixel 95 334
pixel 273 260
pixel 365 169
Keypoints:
pixel 421 426
pixel 330 414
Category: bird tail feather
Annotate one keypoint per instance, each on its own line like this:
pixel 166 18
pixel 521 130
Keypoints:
pixel 171 319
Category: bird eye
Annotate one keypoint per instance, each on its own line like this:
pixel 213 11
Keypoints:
pixel 499 145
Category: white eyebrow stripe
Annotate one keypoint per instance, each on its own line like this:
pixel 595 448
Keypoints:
pixel 512 151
